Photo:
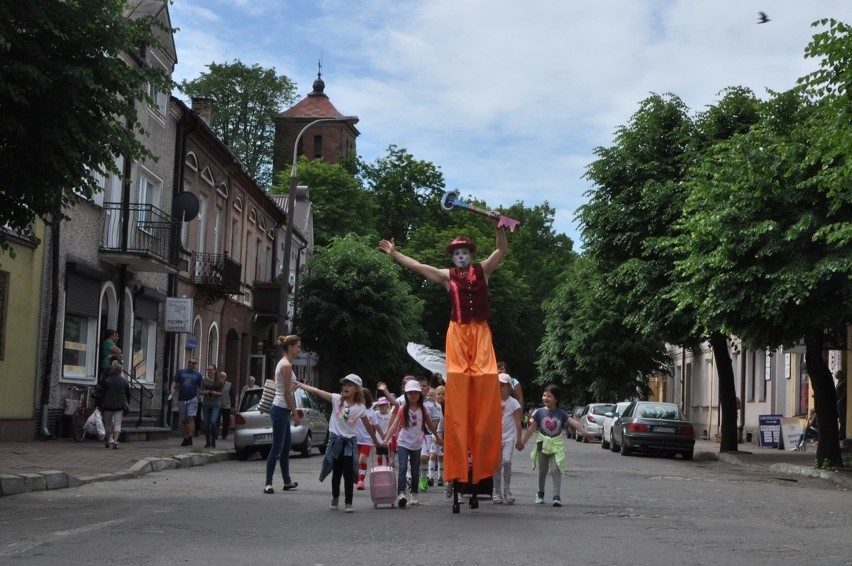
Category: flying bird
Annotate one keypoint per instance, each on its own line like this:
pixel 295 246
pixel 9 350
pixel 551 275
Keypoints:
pixel 762 18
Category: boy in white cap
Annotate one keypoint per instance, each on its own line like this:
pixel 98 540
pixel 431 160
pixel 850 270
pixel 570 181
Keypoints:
pixel 511 429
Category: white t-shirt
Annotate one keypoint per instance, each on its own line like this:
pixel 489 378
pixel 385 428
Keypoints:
pixel 510 429
pixel 280 400
pixel 344 419
pixel 382 419
pixel 364 436
pixel 434 412
pixel 411 436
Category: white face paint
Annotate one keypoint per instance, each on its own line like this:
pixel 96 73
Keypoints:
pixel 461 257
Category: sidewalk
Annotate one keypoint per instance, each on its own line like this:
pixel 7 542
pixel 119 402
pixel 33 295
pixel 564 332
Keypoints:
pixel 55 464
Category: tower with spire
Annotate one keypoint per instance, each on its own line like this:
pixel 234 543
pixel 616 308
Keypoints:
pixel 329 141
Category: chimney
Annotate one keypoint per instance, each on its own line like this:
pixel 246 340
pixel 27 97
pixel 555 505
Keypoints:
pixel 204 108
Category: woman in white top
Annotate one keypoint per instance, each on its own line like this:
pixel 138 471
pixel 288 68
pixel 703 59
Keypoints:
pixel 282 405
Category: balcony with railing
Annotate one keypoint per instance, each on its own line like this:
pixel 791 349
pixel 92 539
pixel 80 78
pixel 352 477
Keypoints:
pixel 215 275
pixel 140 236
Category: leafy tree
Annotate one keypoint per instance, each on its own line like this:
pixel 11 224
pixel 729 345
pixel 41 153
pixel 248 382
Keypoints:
pixel 247 100
pixel 340 205
pixel 404 189
pixel 587 347
pixel 68 102
pixel 356 312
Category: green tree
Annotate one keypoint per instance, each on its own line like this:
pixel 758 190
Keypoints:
pixel 68 101
pixel 340 205
pixel 406 191
pixel 247 99
pixel 356 312
pixel 587 347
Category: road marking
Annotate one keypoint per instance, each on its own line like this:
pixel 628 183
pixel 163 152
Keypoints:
pixel 31 543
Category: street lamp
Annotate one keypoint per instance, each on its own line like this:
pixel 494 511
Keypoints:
pixel 284 296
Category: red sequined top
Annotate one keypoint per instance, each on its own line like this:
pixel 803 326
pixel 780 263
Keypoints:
pixel 469 295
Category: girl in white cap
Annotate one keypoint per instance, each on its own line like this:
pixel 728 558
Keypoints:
pixel 410 418
pixel 341 454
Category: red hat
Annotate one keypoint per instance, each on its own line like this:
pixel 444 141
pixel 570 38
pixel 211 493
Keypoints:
pixel 461 242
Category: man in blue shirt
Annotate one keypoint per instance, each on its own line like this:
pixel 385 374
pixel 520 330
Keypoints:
pixel 187 381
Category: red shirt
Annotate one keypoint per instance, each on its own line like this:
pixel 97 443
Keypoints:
pixel 469 295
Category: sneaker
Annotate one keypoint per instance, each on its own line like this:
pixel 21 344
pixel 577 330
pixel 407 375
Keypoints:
pixel 414 500
pixel 440 482
pixel 213 444
pixel 448 490
pixel 539 498
pixel 348 508
pixel 333 506
pixel 186 442
pixel 360 484
pixel 115 446
pixel 557 501
pixel 424 484
pixel 496 499
pixel 401 501
pixel 430 482
pixel 508 499
pixel 190 441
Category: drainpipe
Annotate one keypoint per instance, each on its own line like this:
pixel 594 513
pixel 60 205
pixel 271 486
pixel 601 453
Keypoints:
pixel 51 331
pixel 742 390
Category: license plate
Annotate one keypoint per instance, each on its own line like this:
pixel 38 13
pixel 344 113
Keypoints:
pixel 668 429
pixel 262 437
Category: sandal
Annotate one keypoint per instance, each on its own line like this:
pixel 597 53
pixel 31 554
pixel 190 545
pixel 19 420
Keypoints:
pixel 291 485
pixel 268 489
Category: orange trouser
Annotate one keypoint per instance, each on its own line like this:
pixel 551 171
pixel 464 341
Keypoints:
pixel 472 406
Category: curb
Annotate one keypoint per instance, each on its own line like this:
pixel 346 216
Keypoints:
pixel 14 484
pixel 839 479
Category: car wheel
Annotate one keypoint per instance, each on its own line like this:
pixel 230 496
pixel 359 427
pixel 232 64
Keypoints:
pixel 625 449
pixel 686 455
pixel 322 446
pixel 613 447
pixel 305 450
pixel 264 452
pixel 242 454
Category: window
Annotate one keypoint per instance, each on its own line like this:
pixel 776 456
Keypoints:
pixel 235 240
pixel 144 349
pixel 149 195
pixel 192 161
pixel 249 261
pixel 159 98
pixel 78 343
pixel 259 271
pixel 213 345
pixel 4 306
pixel 317 147
pixel 200 225
pixel 217 232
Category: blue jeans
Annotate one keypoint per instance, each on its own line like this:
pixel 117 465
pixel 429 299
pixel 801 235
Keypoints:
pixel 281 444
pixel 211 418
pixel 405 456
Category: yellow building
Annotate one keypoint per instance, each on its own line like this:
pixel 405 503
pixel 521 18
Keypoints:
pixel 20 318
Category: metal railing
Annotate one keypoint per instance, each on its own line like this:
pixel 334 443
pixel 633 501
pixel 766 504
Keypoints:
pixel 216 271
pixel 148 230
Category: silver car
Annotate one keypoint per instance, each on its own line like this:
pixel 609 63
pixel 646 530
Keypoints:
pixel 592 419
pixel 609 418
pixel 253 429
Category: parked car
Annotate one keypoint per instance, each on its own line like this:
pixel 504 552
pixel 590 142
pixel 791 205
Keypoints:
pixel 592 419
pixel 253 429
pixel 609 418
pixel 575 413
pixel 653 426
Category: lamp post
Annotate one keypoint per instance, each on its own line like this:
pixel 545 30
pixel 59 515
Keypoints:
pixel 284 296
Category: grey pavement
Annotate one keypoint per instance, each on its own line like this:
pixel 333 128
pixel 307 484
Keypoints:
pixel 54 464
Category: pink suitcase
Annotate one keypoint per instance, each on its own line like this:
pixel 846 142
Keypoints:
pixel 383 485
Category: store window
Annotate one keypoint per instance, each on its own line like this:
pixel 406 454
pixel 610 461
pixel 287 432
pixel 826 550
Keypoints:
pixel 80 341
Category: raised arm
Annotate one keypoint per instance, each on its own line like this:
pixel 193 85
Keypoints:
pixel 433 274
pixel 324 395
pixel 493 261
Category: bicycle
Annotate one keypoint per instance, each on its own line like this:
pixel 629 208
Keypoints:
pixel 79 395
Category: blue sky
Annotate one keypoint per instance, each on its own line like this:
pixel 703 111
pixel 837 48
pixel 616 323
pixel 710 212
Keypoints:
pixel 508 98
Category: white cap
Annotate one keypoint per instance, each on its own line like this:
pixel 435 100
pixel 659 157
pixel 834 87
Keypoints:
pixel 352 378
pixel 412 385
pixel 504 378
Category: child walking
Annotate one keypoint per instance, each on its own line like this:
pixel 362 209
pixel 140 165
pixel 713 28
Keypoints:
pixel 410 419
pixel 511 410
pixel 341 454
pixel 383 417
pixel 549 451
pixel 365 443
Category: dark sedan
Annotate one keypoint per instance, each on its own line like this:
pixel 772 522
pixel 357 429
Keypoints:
pixel 653 426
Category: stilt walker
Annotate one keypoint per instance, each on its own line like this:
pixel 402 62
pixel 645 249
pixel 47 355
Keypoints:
pixel 472 408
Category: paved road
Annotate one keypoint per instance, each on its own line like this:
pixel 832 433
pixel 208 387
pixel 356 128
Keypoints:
pixel 636 510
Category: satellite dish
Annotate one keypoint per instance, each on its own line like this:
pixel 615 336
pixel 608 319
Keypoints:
pixel 185 206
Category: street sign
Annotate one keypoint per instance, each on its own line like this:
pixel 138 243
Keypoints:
pixel 770 430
